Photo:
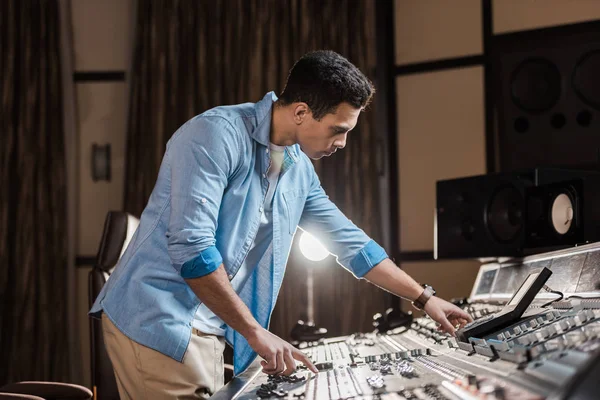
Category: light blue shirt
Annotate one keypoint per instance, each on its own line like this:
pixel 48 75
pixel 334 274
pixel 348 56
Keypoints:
pixel 205 210
pixel 259 256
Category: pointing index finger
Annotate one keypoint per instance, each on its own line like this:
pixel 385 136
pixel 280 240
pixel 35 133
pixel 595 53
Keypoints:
pixel 446 325
pixel 465 315
pixel 300 356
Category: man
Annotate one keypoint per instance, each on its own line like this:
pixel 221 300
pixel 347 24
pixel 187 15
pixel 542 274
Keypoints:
pixel 208 258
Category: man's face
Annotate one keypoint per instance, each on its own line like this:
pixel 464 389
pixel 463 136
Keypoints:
pixel 324 137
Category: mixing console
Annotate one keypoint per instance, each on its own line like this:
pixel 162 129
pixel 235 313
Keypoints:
pixel 536 357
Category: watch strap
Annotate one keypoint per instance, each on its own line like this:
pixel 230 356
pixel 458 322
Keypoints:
pixel 420 302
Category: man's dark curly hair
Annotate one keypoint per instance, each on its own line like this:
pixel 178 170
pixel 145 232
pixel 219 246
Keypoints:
pixel 323 80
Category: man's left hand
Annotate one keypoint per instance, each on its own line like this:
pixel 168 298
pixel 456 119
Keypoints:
pixel 449 316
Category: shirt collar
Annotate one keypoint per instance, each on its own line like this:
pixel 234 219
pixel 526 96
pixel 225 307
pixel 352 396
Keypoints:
pixel 263 110
pixel 262 133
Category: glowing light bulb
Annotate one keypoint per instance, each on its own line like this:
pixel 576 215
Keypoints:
pixel 311 248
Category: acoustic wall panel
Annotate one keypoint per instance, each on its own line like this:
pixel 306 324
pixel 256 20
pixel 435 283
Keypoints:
pixel 102 119
pixel 517 15
pixel 102 34
pixel 427 30
pixel 440 136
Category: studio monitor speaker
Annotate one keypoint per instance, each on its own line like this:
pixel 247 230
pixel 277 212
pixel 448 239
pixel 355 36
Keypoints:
pixel 516 213
pixel 547 96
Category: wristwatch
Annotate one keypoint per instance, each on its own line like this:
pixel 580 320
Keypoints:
pixel 420 302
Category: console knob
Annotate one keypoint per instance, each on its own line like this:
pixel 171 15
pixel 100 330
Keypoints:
pixel 518 330
pixel 545 332
pixel 533 323
pixel 524 340
pixel 570 321
pixel 583 316
pixel 590 314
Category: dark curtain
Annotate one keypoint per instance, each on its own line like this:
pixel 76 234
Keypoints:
pixel 33 227
pixel 193 55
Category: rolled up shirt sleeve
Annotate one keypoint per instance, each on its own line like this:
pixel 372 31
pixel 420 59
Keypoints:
pixel 352 247
pixel 202 155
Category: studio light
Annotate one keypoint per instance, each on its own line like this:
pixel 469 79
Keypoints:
pixel 311 248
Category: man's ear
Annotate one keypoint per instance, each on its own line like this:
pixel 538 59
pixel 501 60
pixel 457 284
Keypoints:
pixel 301 112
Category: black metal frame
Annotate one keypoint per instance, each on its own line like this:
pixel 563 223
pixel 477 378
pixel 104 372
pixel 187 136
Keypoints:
pixel 439 65
pixel 386 109
pixel 488 99
pixel 99 76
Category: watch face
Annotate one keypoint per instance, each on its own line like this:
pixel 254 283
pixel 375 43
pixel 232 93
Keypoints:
pixel 426 286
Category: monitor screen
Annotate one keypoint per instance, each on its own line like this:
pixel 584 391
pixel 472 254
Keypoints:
pixel 502 280
pixel 522 290
pixel 486 281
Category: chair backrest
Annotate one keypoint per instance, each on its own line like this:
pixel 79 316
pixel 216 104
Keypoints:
pixel 119 228
pixel 44 390
pixel 16 396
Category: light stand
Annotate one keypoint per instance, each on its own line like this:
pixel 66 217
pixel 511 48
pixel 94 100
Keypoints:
pixel 308 331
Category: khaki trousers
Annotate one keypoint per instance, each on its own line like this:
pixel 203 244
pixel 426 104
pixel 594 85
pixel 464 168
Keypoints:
pixel 144 373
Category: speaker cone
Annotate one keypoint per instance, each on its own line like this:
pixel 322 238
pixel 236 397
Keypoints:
pixel 505 214
pixel 586 78
pixel 535 85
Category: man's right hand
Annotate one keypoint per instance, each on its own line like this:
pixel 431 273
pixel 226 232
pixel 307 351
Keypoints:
pixel 278 355
pixel 216 292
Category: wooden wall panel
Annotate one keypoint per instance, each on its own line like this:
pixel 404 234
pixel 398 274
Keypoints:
pixel 101 34
pixel 432 29
pixel 101 112
pixel 440 136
